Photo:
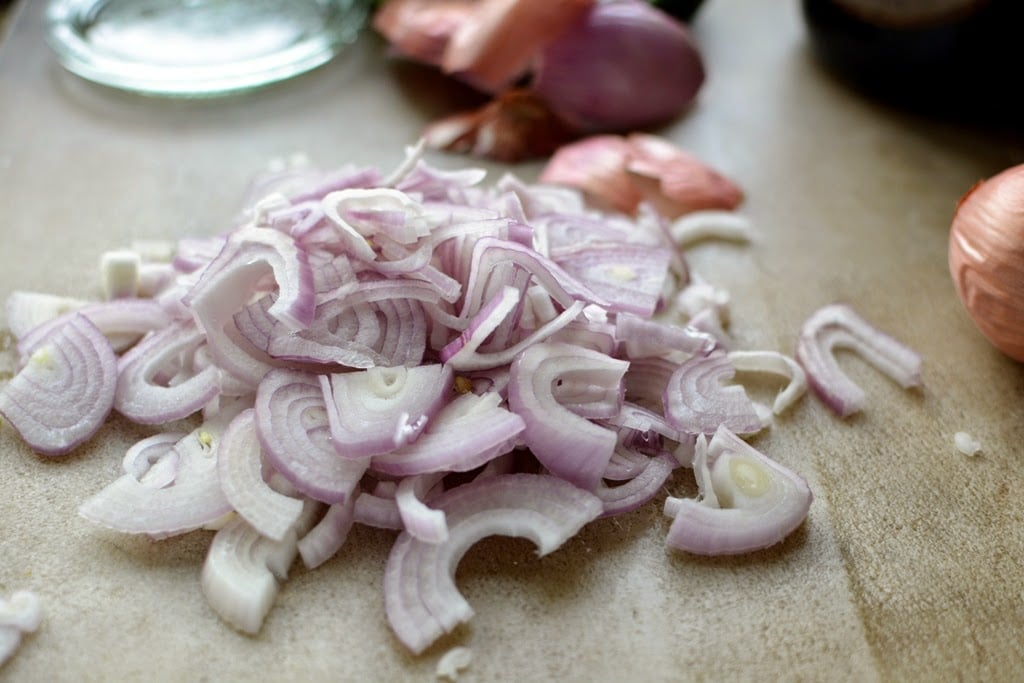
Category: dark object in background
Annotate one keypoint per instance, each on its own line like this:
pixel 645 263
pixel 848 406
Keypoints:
pixel 683 10
pixel 957 59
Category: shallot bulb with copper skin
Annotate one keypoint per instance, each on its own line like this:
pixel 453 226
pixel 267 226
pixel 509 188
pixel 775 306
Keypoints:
pixel 986 258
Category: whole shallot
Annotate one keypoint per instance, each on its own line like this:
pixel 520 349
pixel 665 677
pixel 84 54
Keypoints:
pixel 986 258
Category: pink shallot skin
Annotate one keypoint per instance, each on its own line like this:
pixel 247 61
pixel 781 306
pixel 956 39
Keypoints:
pixel 422 29
pixel 487 43
pixel 620 172
pixel 499 42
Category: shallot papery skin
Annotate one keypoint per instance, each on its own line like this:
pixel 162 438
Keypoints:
pixel 421 29
pixel 556 69
pixel 416 352
pixel 619 172
pixel 986 258
pixel 499 42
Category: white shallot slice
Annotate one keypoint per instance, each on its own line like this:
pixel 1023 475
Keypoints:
pixel 28 310
pixel 142 398
pixel 292 426
pixel 570 446
pixel 420 596
pixel 749 501
pixel 423 522
pixel 379 409
pixel 454 661
pixel 231 280
pixel 242 568
pixel 240 470
pixel 194 499
pixel 153 461
pixel 467 433
pixel 710 224
pixel 775 363
pixel 325 539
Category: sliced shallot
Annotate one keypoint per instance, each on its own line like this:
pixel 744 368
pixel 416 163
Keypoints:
pixel 65 391
pixel 749 502
pixel 292 425
pixel 420 596
pixel 20 613
pixel 194 499
pixel 377 410
pixel 240 470
pixel 698 402
pixel 775 363
pixel 839 326
pixel 571 446
pixel 242 569
pixel 183 391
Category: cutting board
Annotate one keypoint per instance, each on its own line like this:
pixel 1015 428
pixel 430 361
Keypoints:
pixel 907 568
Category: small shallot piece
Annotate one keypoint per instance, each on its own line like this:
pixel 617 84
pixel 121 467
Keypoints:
pixel 119 273
pixel 966 444
pixel 325 539
pixel 142 399
pixel 839 326
pixel 775 363
pixel 65 391
pixel 986 258
pixel 453 662
pixel 194 499
pixel 27 310
pixel 710 224
pixel 294 430
pixel 748 502
pixel 384 408
pixel 20 613
pixel 420 596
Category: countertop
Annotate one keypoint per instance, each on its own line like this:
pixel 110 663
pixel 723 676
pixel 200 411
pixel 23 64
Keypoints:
pixel 909 566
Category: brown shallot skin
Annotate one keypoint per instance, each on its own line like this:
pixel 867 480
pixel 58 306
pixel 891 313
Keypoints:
pixel 986 258
pixel 514 126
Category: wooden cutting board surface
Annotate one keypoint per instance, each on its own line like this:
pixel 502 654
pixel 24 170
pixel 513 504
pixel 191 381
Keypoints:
pixel 908 567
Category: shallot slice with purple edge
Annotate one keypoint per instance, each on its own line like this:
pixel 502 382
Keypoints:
pixel 66 389
pixel 420 596
pixel 839 326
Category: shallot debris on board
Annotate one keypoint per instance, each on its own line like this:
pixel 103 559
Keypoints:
pixel 20 613
pixel 423 353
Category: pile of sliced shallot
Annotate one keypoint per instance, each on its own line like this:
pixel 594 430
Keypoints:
pixel 422 353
